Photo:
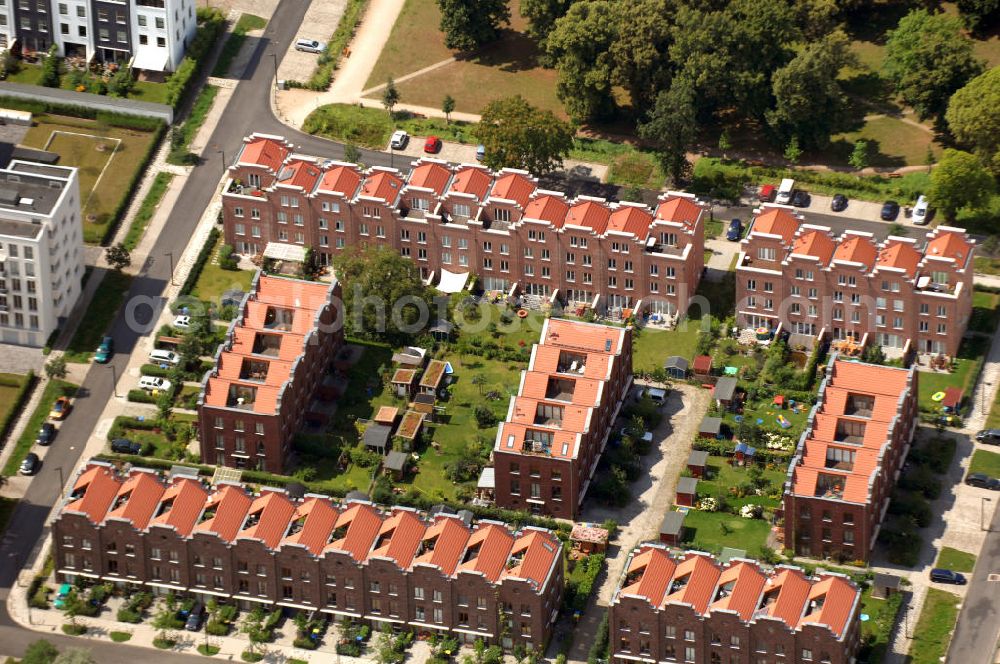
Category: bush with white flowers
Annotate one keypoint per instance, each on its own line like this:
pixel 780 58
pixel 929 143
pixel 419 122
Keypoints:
pixel 775 441
pixel 709 504
pixel 751 511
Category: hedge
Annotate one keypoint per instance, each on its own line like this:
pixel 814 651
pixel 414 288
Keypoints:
pixel 133 184
pixel 141 396
pixel 330 59
pixel 199 263
pixel 18 406
pixel 212 23
pixel 599 651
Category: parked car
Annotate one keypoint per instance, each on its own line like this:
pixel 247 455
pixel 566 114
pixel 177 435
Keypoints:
pixel 766 193
pixel 921 211
pixel 735 230
pixel 164 357
pixel 432 145
pixel 61 408
pixel 646 437
pixel 839 203
pixel 193 622
pixel 150 383
pixel 30 465
pixel 785 190
pixel 989 436
pixel 656 394
pixel 309 46
pixel 105 351
pixel 62 595
pixel 399 139
pixel 890 210
pixel 480 152
pixel 947 576
pixel 46 434
pixel 801 199
pixel 982 481
pixel 183 322
pixel 125 446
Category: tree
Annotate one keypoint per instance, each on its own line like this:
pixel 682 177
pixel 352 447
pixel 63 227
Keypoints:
pixel 118 257
pixel 792 151
pixel 928 58
pixel 979 13
pixel 253 627
pixel 121 83
pixel 351 153
pixel 479 380
pixel 859 158
pixel 384 295
pixel 56 368
pixel 74 656
pixel 639 51
pixel 39 652
pixel 469 24
pixel 390 96
pixel 50 68
pixel 448 107
pixel 725 143
pixel 516 134
pixel 542 16
pixel 189 349
pixel 959 181
pixel 809 101
pixel 974 116
pixel 671 128
pixel 579 46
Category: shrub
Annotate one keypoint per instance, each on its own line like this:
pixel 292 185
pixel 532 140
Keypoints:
pixel 330 58
pixel 120 637
pixel 164 643
pixel 74 630
pixel 211 25
pixel 599 651
pixel 226 260
pixel 484 417
pixel 141 396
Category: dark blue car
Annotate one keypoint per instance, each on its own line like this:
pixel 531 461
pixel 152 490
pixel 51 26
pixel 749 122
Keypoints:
pixel 735 230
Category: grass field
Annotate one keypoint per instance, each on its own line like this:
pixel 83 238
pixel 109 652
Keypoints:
pixel 371 127
pixel 893 143
pixel 956 560
pixel 214 281
pixel 106 157
pixel 10 385
pixel 993 419
pixel 711 531
pixel 987 462
pixel 505 68
pixel 985 312
pixel 53 390
pixel 970 355
pixel 103 307
pixel 147 209
pixel 932 634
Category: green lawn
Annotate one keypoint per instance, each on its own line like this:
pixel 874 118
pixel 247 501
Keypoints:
pixel 985 462
pixel 985 312
pixel 628 165
pixel 932 633
pixel 53 390
pixel 106 156
pixel 881 619
pixel 970 355
pixel 371 127
pixel 722 478
pixel 956 560
pixel 10 386
pixel 987 265
pixel 893 143
pixel 214 281
pixel 993 420
pixel 103 307
pixel 711 531
pixel 189 128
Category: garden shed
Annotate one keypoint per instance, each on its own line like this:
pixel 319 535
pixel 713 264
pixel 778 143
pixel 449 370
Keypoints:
pixel 725 392
pixel 356 495
pixel 487 484
pixel 404 382
pixel 423 403
pixel 442 330
pixel 672 528
pixel 697 461
pixel 410 356
pixel 711 427
pixel 589 538
pixel 702 365
pixel 386 415
pixel 377 437
pixel 395 464
pixel 687 490
pixel 676 367
pixel 433 377
pixel 409 428
pixel 884 585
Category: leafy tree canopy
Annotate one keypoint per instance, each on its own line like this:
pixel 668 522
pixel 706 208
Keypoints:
pixel 469 24
pixel 974 114
pixel 959 180
pixel 579 45
pixel 516 134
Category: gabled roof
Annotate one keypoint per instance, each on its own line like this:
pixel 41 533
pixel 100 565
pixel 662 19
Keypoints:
pixel 589 214
pixel 548 208
pixel 340 179
pixel 631 219
pixel 224 512
pixel 96 487
pixel 856 249
pixel 491 545
pixel 443 544
pixel 516 187
pixel 299 173
pixel 273 510
pixel 776 221
pixel 536 550
pixel 430 175
pixel 739 589
pixel 313 522
pixel 949 244
pixel 650 572
pixel 180 505
pixel 399 537
pixel 472 180
pixel 362 523
pixel 694 582
pixel 382 185
pixel 137 499
pixel 680 209
pixel 815 243
pixel 267 152
pixel 899 254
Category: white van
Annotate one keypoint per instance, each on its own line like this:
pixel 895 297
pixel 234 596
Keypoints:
pixel 656 394
pixel 785 190
pixel 164 357
pixel 151 383
pixel 920 211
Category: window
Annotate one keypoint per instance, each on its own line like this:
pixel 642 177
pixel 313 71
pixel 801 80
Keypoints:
pixel 670 632
pixel 689 654
pixel 689 635
pixel 767 253
pixel 418 593
pixel 437 596
pixel 807 654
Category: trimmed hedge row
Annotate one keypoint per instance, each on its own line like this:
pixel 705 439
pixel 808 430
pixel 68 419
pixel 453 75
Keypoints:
pixel 108 118
pixel 212 23
pixel 19 400
pixel 132 185
pixel 199 263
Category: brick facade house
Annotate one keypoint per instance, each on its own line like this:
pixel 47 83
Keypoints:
pixel 691 609
pixel 466 219
pixel 558 424
pixel 903 293
pixel 266 372
pixel 387 566
pixel 849 457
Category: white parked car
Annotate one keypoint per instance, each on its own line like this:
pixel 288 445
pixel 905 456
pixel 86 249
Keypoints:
pixel 183 322
pixel 309 46
pixel 399 139
pixel 921 211
pixel 151 383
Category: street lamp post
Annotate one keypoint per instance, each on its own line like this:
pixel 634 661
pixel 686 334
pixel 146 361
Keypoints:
pixel 982 512
pixel 170 255
pixel 274 57
pixel 114 380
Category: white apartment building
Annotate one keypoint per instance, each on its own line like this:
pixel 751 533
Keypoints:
pixel 41 250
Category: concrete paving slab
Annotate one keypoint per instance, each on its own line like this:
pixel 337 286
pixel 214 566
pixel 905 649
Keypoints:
pixel 320 22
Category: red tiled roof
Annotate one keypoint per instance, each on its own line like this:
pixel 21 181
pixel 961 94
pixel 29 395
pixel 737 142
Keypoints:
pixel 536 550
pixel 589 214
pixel 699 577
pixel 515 187
pixel 650 573
pixel 266 152
pixel 399 537
pixel 565 333
pixel 492 544
pixel 949 245
pixel 430 175
pixel 681 209
pixel 900 254
pixel 631 219
pixel 857 249
pixel 382 185
pixel 314 519
pixel 444 543
pixel 273 511
pixel 180 505
pixel 739 589
pixel 776 221
pixel 97 487
pixel 548 208
pixel 815 243
pixel 362 523
pixel 792 590
pixel 300 173
pixel 472 180
pixel 137 499
pixel 835 599
pixel 230 504
pixel 340 179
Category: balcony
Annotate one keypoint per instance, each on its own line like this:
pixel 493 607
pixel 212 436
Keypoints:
pixel 237 187
pixel 278 318
pixel 569 362
pixel 241 397
pixel 548 416
pixel 859 405
pixel 267 344
pixel 830 486
pixel 560 389
pixel 254 370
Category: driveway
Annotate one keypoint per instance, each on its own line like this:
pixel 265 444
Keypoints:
pixel 652 495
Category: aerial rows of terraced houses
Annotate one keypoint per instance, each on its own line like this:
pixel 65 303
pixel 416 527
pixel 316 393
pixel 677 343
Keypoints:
pixel 481 579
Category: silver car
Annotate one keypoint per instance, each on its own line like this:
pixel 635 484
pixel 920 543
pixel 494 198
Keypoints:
pixel 309 46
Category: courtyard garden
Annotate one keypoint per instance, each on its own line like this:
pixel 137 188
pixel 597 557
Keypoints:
pixel 964 371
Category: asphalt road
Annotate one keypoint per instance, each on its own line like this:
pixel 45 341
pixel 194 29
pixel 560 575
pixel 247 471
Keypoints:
pixel 978 628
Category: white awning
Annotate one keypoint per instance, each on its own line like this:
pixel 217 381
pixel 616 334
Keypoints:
pixel 285 252
pixel 151 59
pixel 487 479
pixel 452 282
